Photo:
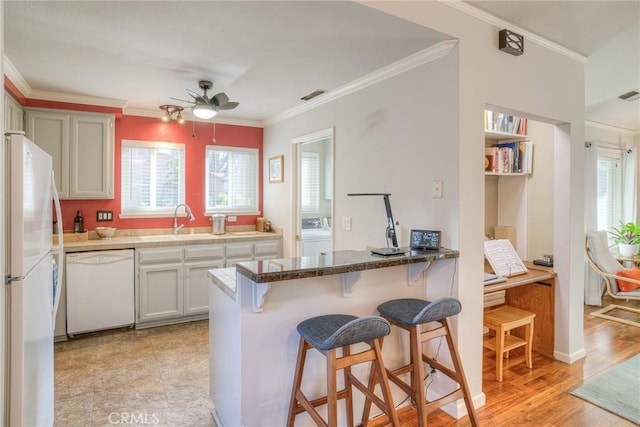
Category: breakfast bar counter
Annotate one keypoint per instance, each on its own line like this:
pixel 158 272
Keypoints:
pixel 253 338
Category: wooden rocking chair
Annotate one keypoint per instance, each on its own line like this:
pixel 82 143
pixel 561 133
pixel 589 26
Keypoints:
pixel 604 264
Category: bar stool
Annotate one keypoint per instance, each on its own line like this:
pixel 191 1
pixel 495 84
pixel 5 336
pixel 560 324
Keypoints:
pixel 409 314
pixel 326 334
pixel 502 320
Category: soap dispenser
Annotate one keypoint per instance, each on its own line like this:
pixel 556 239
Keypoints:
pixel 78 223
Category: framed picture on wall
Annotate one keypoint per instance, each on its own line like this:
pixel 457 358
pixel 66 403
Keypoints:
pixel 276 169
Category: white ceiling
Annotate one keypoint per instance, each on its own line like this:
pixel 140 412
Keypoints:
pixel 265 55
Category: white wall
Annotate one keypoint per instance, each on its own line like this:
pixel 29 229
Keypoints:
pixel 436 118
pixel 387 139
pixel 540 191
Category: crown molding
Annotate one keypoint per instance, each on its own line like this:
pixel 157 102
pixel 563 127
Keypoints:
pixel 611 128
pixel 500 23
pixel 77 99
pixel 188 116
pixel 16 78
pixel 410 62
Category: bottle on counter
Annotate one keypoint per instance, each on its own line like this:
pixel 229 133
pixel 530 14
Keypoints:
pixel 78 223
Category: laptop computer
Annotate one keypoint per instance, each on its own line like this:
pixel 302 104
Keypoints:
pixel 425 240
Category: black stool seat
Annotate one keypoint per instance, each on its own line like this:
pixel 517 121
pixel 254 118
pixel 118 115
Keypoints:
pixel 338 330
pixel 411 311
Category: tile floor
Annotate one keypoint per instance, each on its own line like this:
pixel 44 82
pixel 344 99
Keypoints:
pixel 157 376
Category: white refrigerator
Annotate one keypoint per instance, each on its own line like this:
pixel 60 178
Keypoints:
pixel 32 267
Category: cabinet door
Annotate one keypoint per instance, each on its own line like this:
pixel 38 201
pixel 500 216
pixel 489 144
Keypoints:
pixel 196 285
pixel 161 292
pixel 235 253
pixel 50 131
pixel 266 250
pixel 13 114
pixel 91 173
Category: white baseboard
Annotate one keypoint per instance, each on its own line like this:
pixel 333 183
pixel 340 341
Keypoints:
pixel 570 358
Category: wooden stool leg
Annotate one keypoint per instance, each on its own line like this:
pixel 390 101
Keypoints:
pixel 332 389
pixel 417 374
pixel 297 381
pixel 384 384
pixel 499 352
pixel 461 378
pixel 346 351
pixel 528 332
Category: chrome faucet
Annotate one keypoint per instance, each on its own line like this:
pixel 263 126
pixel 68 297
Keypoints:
pixel 177 227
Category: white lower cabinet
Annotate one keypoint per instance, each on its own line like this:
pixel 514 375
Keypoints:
pixel 161 292
pixel 172 284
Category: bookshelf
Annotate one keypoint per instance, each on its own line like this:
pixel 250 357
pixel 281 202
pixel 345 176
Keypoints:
pixel 508 163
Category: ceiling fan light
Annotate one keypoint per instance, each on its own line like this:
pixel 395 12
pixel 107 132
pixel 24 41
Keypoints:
pixel 204 111
pixel 166 117
pixel 179 118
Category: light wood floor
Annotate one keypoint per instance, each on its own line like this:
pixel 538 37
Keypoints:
pixel 122 376
pixel 541 396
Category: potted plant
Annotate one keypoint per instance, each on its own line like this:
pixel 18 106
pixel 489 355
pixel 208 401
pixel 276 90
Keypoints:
pixel 627 236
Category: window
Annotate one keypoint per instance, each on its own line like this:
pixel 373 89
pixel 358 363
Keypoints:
pixel 609 181
pixel 152 178
pixel 310 183
pixel 231 181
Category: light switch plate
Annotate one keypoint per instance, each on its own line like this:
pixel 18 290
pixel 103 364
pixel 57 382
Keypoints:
pixel 346 223
pixel 436 192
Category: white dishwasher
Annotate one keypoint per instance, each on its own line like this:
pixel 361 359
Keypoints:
pixel 99 290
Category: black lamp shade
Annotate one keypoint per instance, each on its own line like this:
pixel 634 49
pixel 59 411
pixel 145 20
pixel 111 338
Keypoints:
pixel 511 42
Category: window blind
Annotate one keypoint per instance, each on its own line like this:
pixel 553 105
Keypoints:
pixel 152 176
pixel 609 182
pixel 310 183
pixel 231 179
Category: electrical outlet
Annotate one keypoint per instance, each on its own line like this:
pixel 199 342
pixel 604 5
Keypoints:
pixel 346 223
pixel 104 216
pixel 231 218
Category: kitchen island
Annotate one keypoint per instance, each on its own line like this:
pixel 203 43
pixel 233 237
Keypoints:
pixel 255 308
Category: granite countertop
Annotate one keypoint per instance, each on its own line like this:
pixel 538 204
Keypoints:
pixel 124 241
pixel 332 263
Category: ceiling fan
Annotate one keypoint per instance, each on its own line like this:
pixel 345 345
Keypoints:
pixel 205 107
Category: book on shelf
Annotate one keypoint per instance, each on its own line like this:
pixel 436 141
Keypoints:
pixel 509 157
pixel 503 258
pixel 504 123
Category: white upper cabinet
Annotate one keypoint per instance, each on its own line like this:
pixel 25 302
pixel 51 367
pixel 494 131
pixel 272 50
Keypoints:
pixel 82 147
pixel 13 114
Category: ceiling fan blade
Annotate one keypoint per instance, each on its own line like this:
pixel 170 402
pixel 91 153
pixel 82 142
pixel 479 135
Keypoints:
pixel 181 100
pixel 193 94
pixel 220 99
pixel 228 106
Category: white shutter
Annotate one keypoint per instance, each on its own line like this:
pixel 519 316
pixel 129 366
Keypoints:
pixel 310 183
pixel 231 180
pixel 609 194
pixel 152 177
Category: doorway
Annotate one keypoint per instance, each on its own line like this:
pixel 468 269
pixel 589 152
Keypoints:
pixel 314 193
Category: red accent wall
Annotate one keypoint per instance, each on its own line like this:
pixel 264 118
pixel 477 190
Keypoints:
pixel 153 129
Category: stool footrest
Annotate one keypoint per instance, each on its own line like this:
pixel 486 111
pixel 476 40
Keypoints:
pixel 510 342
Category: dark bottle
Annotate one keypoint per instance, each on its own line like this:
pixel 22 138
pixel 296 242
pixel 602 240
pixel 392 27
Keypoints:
pixel 78 223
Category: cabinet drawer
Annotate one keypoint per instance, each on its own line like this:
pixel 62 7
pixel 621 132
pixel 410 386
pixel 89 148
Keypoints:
pixel 207 252
pixel 239 251
pixel 266 248
pixel 146 256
